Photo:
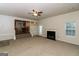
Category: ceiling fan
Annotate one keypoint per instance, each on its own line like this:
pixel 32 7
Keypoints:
pixel 36 13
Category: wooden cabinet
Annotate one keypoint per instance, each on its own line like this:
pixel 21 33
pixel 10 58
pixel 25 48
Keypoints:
pixel 22 27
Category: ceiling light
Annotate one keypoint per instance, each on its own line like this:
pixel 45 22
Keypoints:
pixel 35 14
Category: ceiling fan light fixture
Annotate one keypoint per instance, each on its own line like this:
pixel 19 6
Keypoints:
pixel 35 14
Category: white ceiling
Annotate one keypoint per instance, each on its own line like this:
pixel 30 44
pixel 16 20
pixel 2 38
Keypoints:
pixel 49 9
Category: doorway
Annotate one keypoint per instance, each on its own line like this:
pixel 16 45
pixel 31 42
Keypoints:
pixel 22 28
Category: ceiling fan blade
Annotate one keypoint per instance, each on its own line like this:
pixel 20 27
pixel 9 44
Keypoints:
pixel 40 12
pixel 30 13
pixel 33 10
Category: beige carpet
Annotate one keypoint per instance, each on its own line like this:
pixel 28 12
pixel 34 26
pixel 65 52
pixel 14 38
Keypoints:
pixel 39 46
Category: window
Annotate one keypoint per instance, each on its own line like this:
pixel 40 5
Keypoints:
pixel 70 29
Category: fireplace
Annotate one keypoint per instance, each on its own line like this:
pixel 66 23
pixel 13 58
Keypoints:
pixel 51 35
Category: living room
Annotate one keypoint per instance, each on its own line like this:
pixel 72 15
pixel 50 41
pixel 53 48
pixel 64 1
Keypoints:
pixel 60 19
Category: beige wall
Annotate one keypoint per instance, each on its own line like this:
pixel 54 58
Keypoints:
pixel 7 29
pixel 57 23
